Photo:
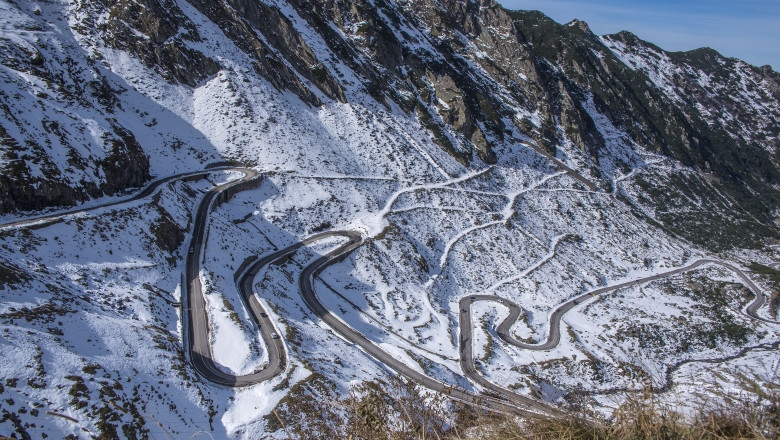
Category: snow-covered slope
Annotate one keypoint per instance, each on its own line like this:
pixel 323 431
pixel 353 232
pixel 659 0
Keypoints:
pixel 479 150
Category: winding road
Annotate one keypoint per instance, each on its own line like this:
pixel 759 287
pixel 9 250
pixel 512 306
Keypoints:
pixel 554 334
pixel 195 316
pixel 197 329
pixel 196 325
pixel 513 402
pixel 47 219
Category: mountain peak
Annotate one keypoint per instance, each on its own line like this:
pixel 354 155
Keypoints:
pixel 580 24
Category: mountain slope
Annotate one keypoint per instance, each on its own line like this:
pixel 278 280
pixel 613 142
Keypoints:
pixel 477 150
pixel 473 75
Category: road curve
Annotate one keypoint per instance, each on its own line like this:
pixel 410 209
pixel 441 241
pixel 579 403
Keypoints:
pixel 554 335
pixel 509 402
pixel 46 219
pixel 468 363
pixel 195 317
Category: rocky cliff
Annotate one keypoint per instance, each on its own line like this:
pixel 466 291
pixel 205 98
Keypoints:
pixel 474 75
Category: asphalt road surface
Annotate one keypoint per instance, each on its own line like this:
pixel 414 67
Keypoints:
pixel 46 219
pixel 508 401
pixel 195 318
pixel 554 336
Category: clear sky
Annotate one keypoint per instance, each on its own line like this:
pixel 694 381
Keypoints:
pixel 745 29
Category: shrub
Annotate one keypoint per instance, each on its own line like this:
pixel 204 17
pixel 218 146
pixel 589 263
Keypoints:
pixel 401 410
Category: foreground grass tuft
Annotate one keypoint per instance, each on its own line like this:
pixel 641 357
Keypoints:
pixel 400 410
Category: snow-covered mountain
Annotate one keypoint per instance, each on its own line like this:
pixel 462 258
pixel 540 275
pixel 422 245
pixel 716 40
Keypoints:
pixel 478 151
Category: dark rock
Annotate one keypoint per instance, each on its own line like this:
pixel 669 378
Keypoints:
pixel 168 235
pixel 167 31
pixel 126 166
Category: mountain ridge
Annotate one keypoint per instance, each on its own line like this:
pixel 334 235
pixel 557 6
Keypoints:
pixel 468 149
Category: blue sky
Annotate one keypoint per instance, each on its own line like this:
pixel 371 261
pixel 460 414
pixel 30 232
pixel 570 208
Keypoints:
pixel 746 29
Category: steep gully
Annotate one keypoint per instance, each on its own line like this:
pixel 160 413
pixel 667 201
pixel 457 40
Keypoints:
pixel 195 317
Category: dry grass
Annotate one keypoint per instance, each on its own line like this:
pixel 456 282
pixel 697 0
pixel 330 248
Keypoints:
pixel 376 410
pixel 643 417
pixel 399 410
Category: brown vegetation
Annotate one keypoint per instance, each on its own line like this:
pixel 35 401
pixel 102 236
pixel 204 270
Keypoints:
pixel 400 410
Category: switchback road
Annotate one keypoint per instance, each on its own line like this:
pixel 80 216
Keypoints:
pixel 195 317
pixel 554 335
pixel 514 403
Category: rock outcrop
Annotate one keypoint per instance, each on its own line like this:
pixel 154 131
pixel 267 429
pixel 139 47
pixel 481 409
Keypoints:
pixel 476 76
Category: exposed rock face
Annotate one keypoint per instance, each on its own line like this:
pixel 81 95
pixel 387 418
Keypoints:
pixel 39 194
pixel 11 274
pixel 168 236
pixel 57 113
pixel 126 167
pixel 264 33
pixel 157 32
pixel 164 38
pixel 475 75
